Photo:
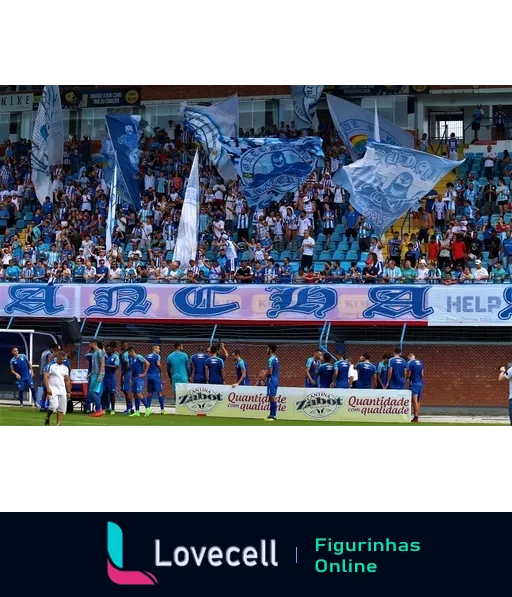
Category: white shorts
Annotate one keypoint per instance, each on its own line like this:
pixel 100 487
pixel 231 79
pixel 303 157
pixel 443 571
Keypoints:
pixel 454 156
pixel 58 403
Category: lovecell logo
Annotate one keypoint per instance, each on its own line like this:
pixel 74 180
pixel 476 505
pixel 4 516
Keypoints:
pixel 115 562
pixel 265 555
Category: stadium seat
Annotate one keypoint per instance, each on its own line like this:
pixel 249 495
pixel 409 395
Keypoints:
pixel 364 257
pixel 325 256
pixel 352 256
pixel 211 256
pixel 169 256
pixel 346 265
pixel 318 267
pixel 285 254
pixel 339 256
pixel 343 246
pixel 321 239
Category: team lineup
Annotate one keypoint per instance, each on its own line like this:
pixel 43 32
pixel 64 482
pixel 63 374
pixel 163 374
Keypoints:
pixel 104 362
pixel 141 378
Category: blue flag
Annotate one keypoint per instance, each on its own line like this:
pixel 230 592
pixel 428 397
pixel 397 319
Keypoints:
pixel 123 130
pixel 305 101
pixel 357 126
pixel 389 181
pixel 270 168
pixel 208 125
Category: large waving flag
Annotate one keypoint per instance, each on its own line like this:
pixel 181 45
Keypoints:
pixel 270 168
pixel 391 180
pixel 47 141
pixel 305 101
pixel 188 232
pixel 209 124
pixel 123 130
pixel 357 126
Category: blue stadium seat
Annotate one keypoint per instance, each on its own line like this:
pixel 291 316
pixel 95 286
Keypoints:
pixel 321 239
pixel 340 229
pixel 339 256
pixel 343 246
pixel 325 256
pixel 29 217
pixel 318 267
pixel 285 254
pixel 211 256
pixel 169 256
pixel 337 238
pixel 346 265
pixel 364 257
pixel 352 256
pixel 245 256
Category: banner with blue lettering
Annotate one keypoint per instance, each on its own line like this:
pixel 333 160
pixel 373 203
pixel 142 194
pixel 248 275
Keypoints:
pixel 390 180
pixel 209 124
pixel 433 305
pixel 305 102
pixel 357 126
pixel 47 141
pixel 123 130
pixel 269 168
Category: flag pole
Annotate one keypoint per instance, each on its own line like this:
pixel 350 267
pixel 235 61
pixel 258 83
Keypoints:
pixel 376 133
pixel 111 210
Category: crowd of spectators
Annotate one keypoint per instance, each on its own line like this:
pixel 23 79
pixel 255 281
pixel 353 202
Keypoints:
pixel 312 236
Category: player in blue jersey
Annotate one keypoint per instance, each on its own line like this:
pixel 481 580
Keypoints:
pixel 396 373
pixel 126 378
pixel 112 364
pixel 21 368
pixel 312 366
pixel 155 385
pixel 96 376
pixel 415 375
pixel 342 380
pixel 382 372
pixel 214 368
pixel 178 367
pixel 197 367
pixel 272 376
pixel 325 374
pixel 366 373
pixel 139 369
pixel 242 374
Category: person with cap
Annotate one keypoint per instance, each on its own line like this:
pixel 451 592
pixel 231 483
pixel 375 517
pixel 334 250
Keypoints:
pixel 422 273
pixel 480 274
pixel 478 114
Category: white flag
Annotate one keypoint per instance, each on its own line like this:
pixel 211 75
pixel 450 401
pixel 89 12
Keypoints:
pixel 186 245
pixel 357 127
pixel 47 141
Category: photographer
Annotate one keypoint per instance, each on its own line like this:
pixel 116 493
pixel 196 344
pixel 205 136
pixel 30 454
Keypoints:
pixel 506 375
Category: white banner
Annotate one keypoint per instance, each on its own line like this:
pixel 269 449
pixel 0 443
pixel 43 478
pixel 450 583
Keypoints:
pixel 17 102
pixel 295 404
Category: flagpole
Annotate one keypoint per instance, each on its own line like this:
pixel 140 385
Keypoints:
pixel 376 133
pixel 111 210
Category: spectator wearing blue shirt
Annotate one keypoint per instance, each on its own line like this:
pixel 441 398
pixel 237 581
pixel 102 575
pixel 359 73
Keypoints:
pixel 47 206
pixel 13 272
pixel 506 251
pixel 337 274
pixel 351 220
pixel 102 273
pixel 286 272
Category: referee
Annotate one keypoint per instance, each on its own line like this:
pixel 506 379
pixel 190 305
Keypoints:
pixel 506 375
